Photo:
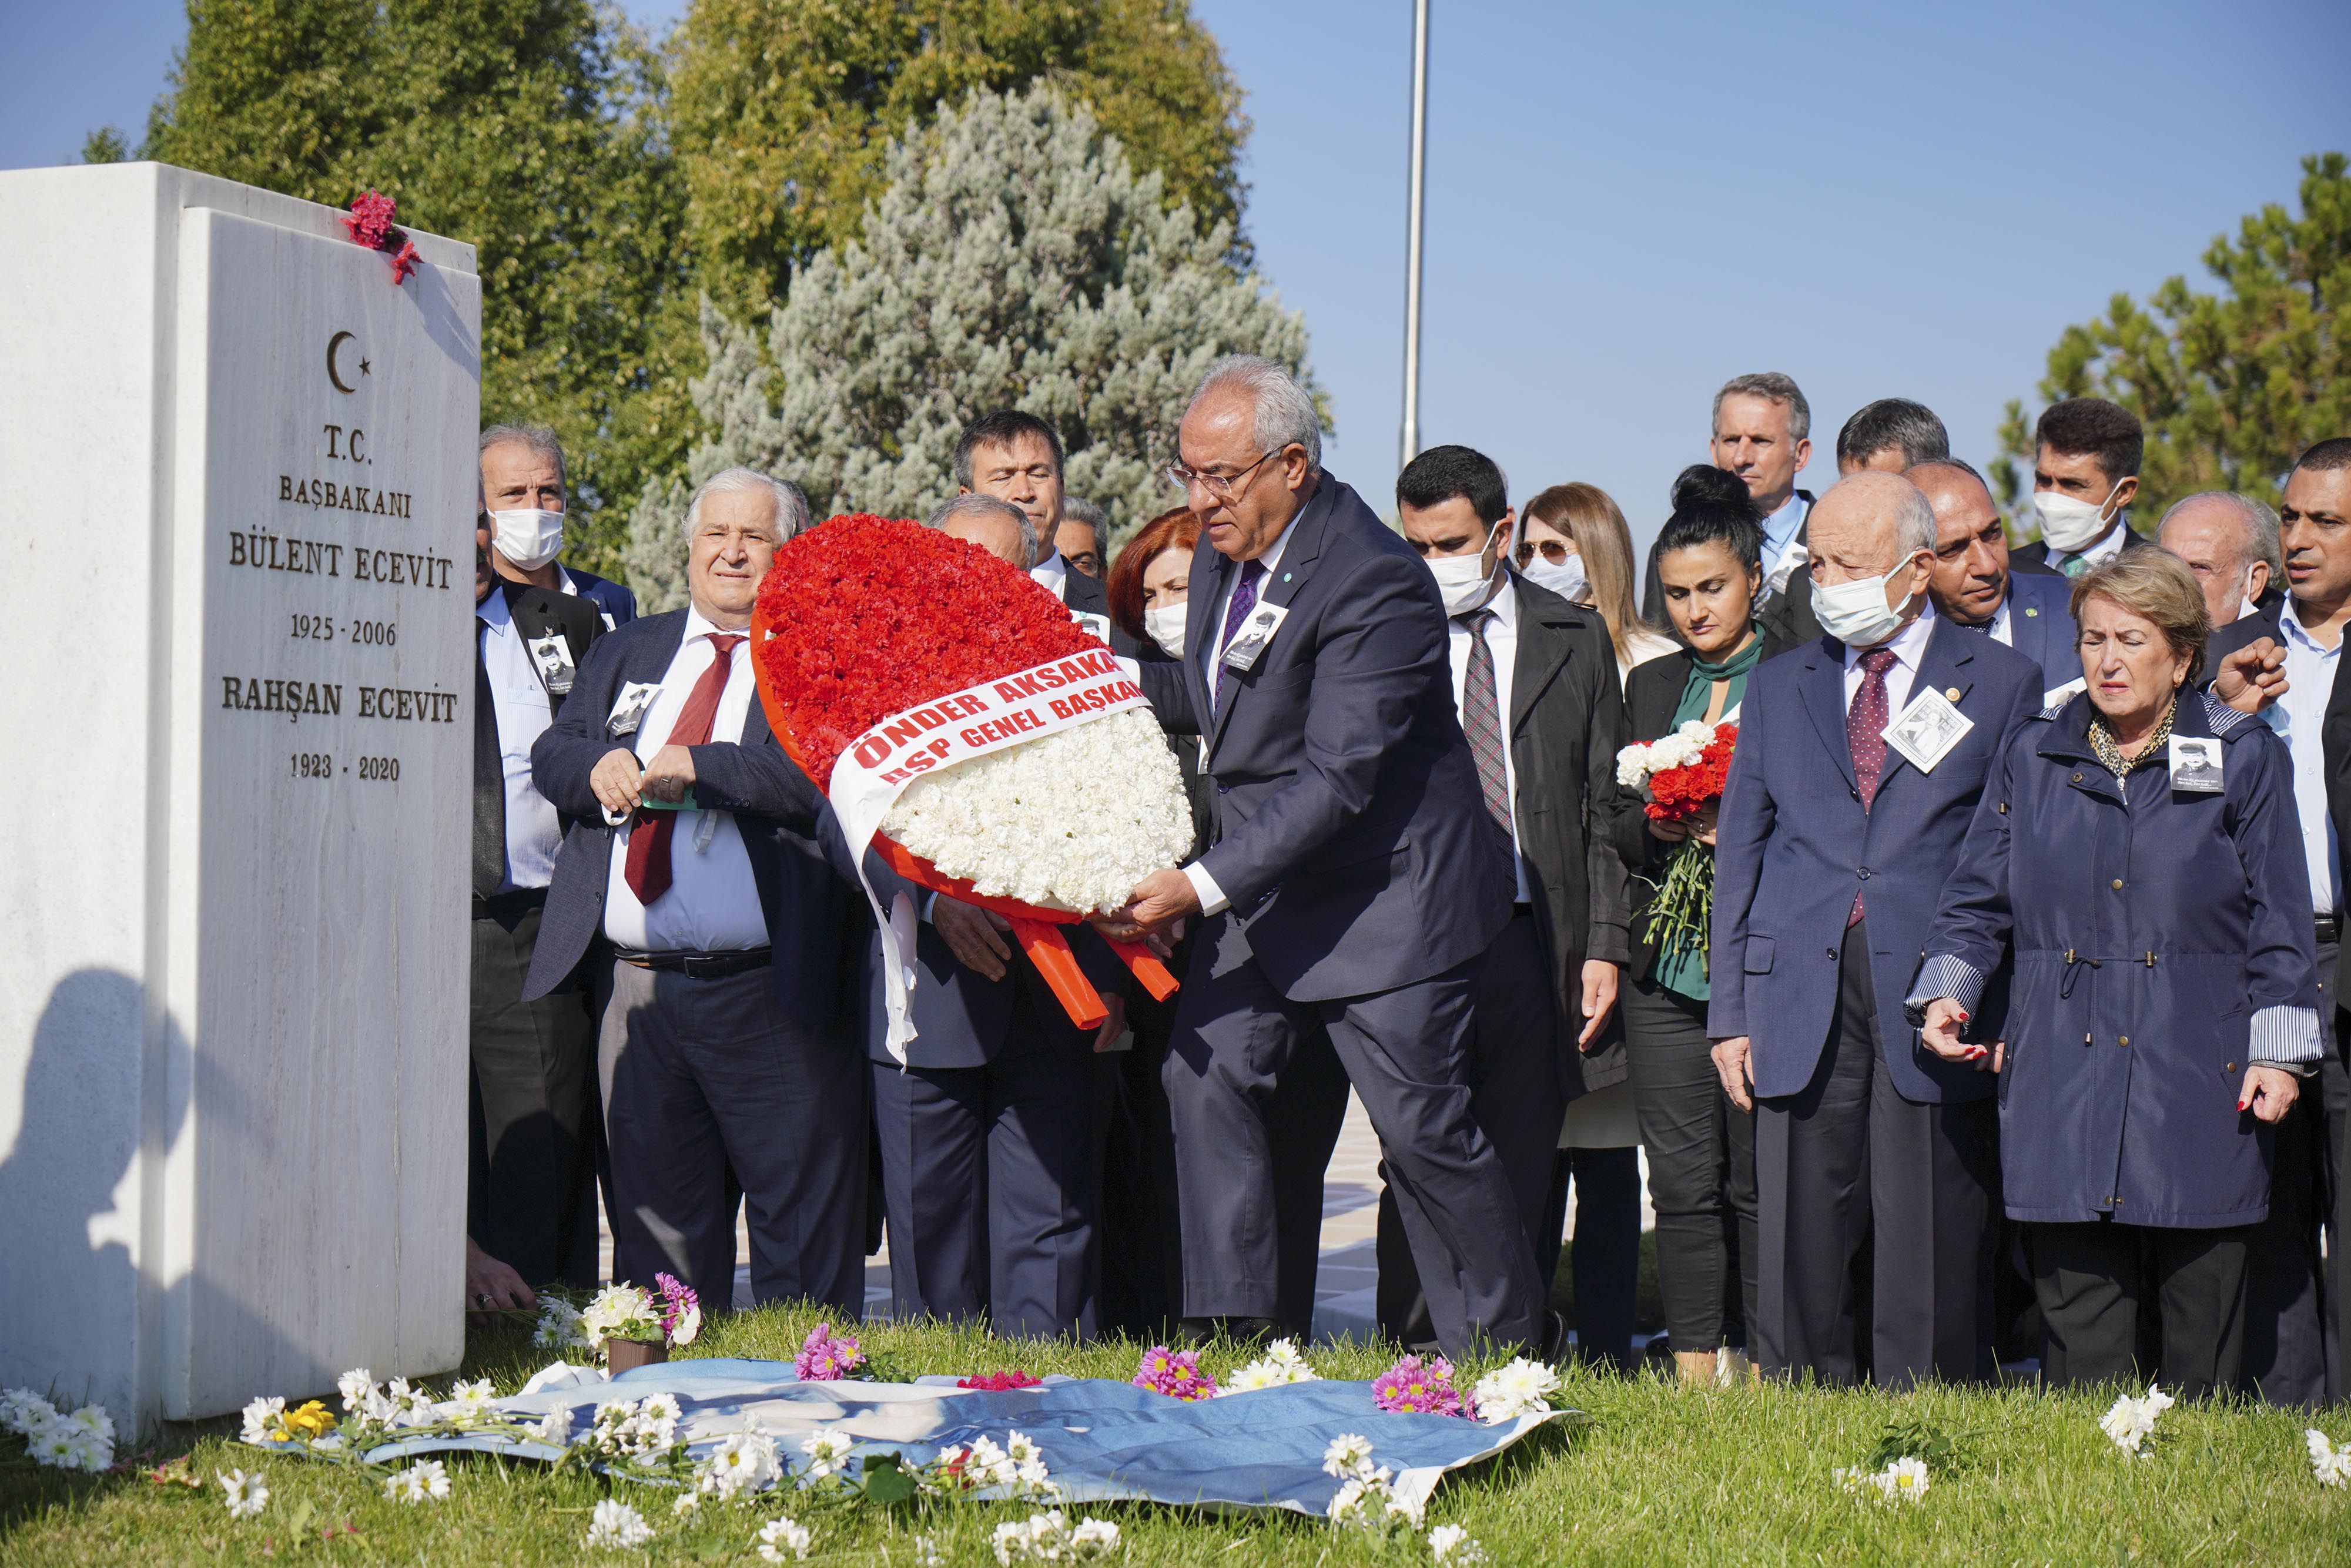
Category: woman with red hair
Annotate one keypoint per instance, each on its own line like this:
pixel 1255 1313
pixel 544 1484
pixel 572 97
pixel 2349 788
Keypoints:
pixel 1148 580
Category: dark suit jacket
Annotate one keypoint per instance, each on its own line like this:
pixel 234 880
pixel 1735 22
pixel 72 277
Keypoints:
pixel 1566 726
pixel 2041 624
pixel 539 610
pixel 1353 838
pixel 1789 620
pixel 2035 557
pixel 2334 731
pixel 816 912
pixel 1080 591
pixel 1793 847
pixel 608 597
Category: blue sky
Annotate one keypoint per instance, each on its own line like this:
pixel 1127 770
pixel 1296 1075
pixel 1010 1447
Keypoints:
pixel 1628 205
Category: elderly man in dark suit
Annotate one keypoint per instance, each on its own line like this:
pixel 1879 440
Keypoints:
pixel 1535 683
pixel 1874 1157
pixel 1975 584
pixel 1356 882
pixel 720 920
pixel 530 1211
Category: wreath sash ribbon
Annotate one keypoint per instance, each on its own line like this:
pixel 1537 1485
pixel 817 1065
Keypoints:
pixel 992 716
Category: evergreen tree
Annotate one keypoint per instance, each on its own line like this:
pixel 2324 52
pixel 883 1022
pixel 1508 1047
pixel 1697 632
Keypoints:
pixel 2231 386
pixel 1015 258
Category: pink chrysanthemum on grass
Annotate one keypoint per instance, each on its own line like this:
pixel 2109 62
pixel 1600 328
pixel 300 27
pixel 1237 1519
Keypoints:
pixel 1423 1386
pixel 824 1359
pixel 1174 1373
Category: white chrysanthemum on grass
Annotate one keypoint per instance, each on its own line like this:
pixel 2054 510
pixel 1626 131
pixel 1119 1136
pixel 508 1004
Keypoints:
pixel 2130 1422
pixel 688 1501
pixel 828 1454
pixel 615 1526
pixel 742 1462
pixel 781 1536
pixel 21 1410
pixel 2331 1465
pixel 469 1403
pixel 1348 1454
pixel 561 1328
pixel 1452 1543
pixel 358 1388
pixel 1071 820
pixel 1904 1481
pixel 1048 1538
pixel 426 1481
pixel 1281 1364
pixel 554 1429
pixel 927 1554
pixel 246 1495
pixel 262 1418
pixel 1518 1389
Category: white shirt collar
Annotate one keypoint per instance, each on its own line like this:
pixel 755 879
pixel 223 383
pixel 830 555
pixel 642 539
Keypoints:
pixel 1908 645
pixel 2291 624
pixel 698 626
pixel 1271 559
pixel 493 609
pixel 1503 606
pixel 1051 573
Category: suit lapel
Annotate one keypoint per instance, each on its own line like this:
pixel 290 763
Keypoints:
pixel 1824 700
pixel 1298 557
pixel 1543 647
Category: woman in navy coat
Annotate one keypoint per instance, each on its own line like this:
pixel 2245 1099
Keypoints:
pixel 2163 992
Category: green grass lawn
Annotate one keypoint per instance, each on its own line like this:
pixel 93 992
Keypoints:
pixel 1660 1475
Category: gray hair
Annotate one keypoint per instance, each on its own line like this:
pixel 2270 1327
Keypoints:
pixel 2259 523
pixel 1283 410
pixel 986 506
pixel 1774 386
pixel 537 437
pixel 791 507
pixel 1074 510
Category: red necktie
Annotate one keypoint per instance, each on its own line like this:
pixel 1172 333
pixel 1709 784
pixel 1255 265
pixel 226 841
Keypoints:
pixel 648 868
pixel 1864 736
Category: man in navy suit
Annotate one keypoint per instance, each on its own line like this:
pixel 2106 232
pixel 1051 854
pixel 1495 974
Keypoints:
pixel 1975 584
pixel 523 477
pixel 725 937
pixel 1874 1157
pixel 1356 880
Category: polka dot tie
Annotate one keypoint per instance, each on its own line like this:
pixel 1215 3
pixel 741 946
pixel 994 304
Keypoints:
pixel 1865 733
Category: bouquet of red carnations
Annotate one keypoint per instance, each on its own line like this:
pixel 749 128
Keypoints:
pixel 1681 772
pixel 965 727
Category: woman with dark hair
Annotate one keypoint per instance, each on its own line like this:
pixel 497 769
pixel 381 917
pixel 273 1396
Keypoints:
pixel 1701 1147
pixel 1142 1243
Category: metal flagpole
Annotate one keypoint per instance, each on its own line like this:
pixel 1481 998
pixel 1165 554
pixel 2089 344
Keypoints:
pixel 1412 241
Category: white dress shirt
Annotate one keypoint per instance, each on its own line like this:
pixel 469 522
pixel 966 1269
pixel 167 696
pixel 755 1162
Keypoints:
pixel 1909 646
pixel 711 905
pixel 519 695
pixel 1780 529
pixel 2098 554
pixel 1212 655
pixel 1503 637
pixel 2001 632
pixel 2298 717
pixel 1053 574
pixel 563 581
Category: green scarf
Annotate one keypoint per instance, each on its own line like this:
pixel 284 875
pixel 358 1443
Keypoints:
pixel 1683 969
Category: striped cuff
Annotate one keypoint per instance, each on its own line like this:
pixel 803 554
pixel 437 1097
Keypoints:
pixel 2285 1036
pixel 1947 975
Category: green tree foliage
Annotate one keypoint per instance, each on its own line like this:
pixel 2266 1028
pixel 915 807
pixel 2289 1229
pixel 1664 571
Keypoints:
pixel 2231 386
pixel 1015 259
pixel 105 145
pixel 783 110
pixel 532 129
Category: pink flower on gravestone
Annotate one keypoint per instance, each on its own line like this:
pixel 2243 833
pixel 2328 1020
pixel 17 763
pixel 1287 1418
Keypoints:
pixel 1175 1373
pixel 824 1359
pixel 405 261
pixel 1423 1386
pixel 370 219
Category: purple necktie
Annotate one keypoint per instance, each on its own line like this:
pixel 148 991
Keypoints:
pixel 1237 611
pixel 1864 734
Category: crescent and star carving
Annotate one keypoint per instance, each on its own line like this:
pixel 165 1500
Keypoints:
pixel 334 372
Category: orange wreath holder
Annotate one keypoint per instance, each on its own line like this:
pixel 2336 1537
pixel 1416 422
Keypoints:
pixel 1039 931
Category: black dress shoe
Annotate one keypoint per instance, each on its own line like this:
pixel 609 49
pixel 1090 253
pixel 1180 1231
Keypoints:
pixel 1555 1351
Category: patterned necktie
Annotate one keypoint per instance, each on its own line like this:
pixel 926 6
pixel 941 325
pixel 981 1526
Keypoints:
pixel 2073 565
pixel 1244 600
pixel 1481 719
pixel 1864 734
pixel 648 872
pixel 489 776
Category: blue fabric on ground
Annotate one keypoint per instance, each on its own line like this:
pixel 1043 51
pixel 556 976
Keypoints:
pixel 1101 1440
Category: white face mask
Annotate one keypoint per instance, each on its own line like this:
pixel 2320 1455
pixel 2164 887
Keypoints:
pixel 2069 525
pixel 1165 622
pixel 1566 578
pixel 1857 614
pixel 529 537
pixel 1466 581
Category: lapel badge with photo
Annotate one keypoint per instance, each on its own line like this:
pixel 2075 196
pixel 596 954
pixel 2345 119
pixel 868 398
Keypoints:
pixel 2196 765
pixel 629 709
pixel 1250 642
pixel 1925 732
pixel 553 657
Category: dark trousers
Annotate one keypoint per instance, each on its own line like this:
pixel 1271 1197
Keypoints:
pixel 2092 1281
pixel 1139 1233
pixel 989 1176
pixel 1701 1170
pixel 1406 1053
pixel 1514 1095
pixel 2293 1348
pixel 532 1189
pixel 1603 1260
pixel 704 1076
pixel 1876 1214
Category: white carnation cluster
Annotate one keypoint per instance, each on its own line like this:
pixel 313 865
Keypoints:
pixel 1675 748
pixel 1904 1481
pixel 2132 1421
pixel 1521 1388
pixel 1071 820
pixel 2331 1465
pixel 1281 1364
pixel 1048 1538
pixel 641 1430
pixel 1367 1497
pixel 83 1440
pixel 619 1312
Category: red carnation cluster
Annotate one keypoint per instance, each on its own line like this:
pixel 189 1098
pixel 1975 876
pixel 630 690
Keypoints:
pixel 1679 793
pixel 370 223
pixel 873 616
pixel 998 1382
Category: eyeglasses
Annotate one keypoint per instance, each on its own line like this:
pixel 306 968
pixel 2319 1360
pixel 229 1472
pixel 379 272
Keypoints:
pixel 1553 550
pixel 1220 486
pixel 1086 561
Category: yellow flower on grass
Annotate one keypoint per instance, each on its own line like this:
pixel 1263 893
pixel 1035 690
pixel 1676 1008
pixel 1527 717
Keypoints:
pixel 307 1424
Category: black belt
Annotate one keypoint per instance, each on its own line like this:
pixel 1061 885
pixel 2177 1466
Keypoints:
pixel 506 905
pixel 2329 928
pixel 700 965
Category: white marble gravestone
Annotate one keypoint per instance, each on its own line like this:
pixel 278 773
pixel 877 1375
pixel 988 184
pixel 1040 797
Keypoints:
pixel 236 502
